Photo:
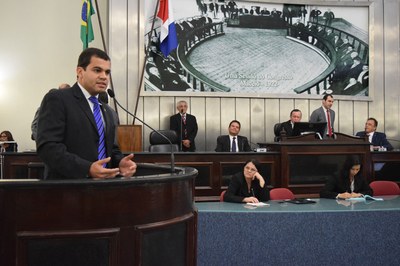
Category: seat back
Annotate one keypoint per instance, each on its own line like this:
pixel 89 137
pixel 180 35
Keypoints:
pixel 164 148
pixel 381 188
pixel 277 131
pixel 281 194
pixel 221 197
pixel 156 139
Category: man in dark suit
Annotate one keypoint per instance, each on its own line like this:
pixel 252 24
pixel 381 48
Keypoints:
pixel 325 114
pixel 295 116
pixel 232 142
pixel 377 139
pixel 185 126
pixel 68 139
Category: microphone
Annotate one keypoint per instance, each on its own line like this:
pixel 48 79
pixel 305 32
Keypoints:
pixel 112 95
pixel 258 148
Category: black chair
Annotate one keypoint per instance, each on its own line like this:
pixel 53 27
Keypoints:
pixel 277 132
pixel 159 144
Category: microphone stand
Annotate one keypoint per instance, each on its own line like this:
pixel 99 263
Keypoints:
pixel 112 95
pixel 145 58
pixel 181 129
pixel 146 55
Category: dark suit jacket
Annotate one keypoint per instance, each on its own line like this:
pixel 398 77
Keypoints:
pixel 175 123
pixel 378 139
pixel 318 115
pixel 67 137
pixel 334 186
pixel 238 189
pixel 224 145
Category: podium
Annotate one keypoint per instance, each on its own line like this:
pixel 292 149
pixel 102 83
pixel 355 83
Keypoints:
pixel 130 138
pixel 148 219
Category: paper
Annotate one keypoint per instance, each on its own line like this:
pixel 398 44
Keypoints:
pixel 365 197
pixel 259 204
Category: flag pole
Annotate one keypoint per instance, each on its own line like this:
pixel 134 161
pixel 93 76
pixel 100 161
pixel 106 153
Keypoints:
pixel 105 49
pixel 145 60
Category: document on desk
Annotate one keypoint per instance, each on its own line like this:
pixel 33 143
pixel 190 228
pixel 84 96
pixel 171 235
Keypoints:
pixel 365 197
pixel 258 204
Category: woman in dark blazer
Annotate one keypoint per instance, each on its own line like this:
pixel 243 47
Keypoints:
pixel 8 147
pixel 349 184
pixel 247 186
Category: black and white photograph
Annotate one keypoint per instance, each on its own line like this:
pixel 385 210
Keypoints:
pixel 259 48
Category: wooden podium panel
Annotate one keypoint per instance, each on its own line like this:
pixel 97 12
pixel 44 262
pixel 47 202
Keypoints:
pixel 130 138
pixel 149 219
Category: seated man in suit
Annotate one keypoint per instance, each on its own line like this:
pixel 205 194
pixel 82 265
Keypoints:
pixel 377 139
pixel 295 116
pixel 232 142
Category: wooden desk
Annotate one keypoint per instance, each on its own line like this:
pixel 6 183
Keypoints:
pixel 290 234
pixel 215 169
pixel 307 162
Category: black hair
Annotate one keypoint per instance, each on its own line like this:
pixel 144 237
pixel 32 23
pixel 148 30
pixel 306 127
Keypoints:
pixel 373 119
pixel 326 96
pixel 87 54
pixel 255 162
pixel 234 121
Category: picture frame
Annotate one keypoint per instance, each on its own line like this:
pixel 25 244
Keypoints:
pixel 253 83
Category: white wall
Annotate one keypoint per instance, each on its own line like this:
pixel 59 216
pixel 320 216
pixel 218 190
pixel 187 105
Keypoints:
pixel 39 48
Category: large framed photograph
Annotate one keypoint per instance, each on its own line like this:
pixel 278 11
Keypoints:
pixel 260 49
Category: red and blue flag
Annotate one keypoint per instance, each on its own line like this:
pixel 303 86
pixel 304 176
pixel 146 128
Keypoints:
pixel 168 38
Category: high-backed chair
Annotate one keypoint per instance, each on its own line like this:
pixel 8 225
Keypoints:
pixel 277 131
pixel 382 188
pixel 281 194
pixel 159 144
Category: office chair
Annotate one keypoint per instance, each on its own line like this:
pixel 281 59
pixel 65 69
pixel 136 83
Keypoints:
pixel 281 194
pixel 277 131
pixel 382 188
pixel 159 144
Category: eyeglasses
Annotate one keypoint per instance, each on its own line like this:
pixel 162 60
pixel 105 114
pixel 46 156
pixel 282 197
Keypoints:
pixel 250 169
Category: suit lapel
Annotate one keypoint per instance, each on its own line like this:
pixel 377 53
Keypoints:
pixel 84 105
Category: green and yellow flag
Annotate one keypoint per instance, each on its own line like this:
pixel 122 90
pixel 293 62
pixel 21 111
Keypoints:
pixel 86 23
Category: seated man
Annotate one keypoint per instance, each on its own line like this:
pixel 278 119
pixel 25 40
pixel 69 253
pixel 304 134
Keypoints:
pixel 295 116
pixel 377 139
pixel 232 142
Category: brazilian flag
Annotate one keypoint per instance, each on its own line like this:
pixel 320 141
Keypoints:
pixel 86 23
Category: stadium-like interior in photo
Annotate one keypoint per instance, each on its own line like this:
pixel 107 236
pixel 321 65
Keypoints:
pixel 257 48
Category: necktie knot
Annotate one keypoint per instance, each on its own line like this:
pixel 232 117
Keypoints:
pixel 94 100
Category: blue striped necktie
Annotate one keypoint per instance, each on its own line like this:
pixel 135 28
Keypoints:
pixel 100 128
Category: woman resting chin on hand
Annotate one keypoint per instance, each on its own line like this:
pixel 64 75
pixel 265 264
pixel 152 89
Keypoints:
pixel 247 186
